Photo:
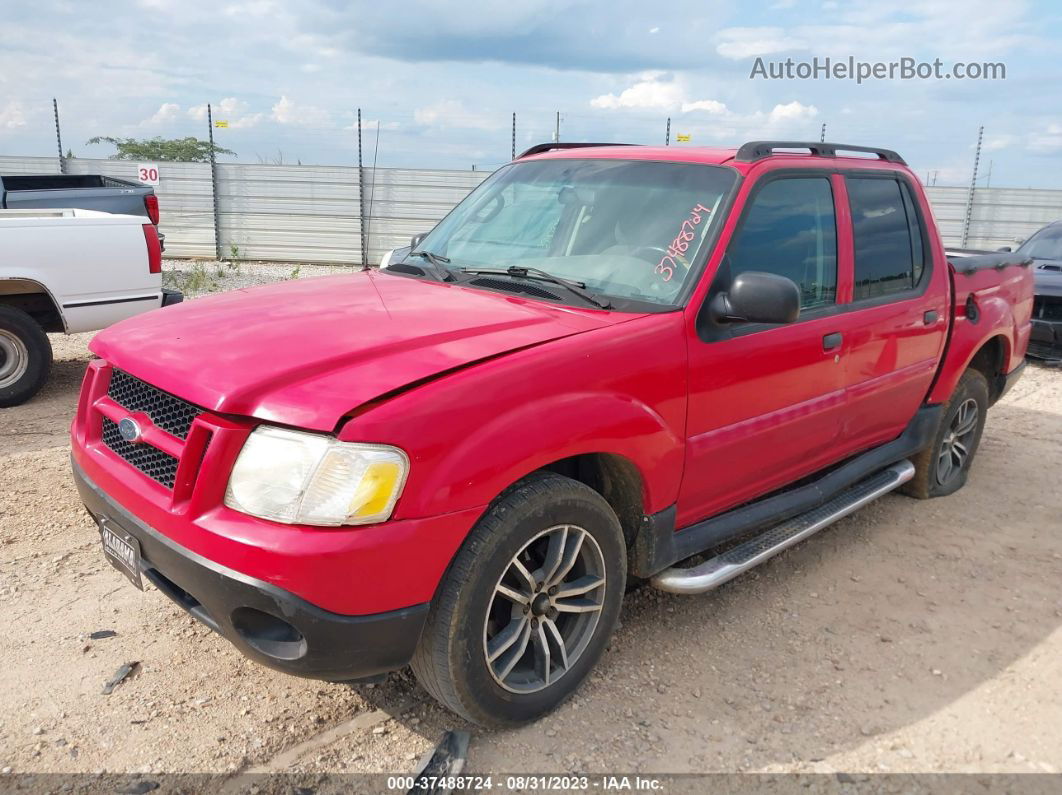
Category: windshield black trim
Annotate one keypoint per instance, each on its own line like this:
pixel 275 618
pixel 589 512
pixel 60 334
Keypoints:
pixel 616 303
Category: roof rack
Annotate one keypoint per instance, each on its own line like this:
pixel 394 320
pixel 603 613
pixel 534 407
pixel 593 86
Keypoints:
pixel 758 150
pixel 539 148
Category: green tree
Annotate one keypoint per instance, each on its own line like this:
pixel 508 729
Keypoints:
pixel 187 150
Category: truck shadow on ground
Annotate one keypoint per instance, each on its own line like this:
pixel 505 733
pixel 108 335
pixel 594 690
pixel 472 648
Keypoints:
pixel 873 625
pixel 44 420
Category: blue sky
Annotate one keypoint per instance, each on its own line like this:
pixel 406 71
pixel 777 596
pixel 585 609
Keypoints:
pixel 442 79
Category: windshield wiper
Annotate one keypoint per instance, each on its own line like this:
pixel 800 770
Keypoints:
pixel 522 272
pixel 438 264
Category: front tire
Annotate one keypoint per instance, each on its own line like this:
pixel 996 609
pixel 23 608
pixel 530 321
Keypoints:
pixel 942 468
pixel 528 605
pixel 25 356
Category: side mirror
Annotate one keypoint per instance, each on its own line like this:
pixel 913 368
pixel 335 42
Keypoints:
pixel 415 240
pixel 1004 248
pixel 758 297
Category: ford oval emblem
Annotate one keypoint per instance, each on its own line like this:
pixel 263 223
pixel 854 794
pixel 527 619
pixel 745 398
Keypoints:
pixel 129 429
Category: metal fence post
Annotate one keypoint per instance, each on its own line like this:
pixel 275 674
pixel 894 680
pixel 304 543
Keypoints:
pixel 361 200
pixel 214 183
pixel 973 189
pixel 58 137
pixel 514 136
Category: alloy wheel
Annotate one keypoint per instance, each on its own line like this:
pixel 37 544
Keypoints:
pixel 955 447
pixel 545 609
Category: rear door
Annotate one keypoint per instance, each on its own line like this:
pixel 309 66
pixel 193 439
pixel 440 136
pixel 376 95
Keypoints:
pixel 897 321
pixel 766 402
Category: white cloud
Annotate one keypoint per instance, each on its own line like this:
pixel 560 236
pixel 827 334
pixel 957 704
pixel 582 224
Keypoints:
pixel 996 142
pixel 1047 142
pixel 738 43
pixel 451 113
pixel 872 30
pixel 167 112
pixel 708 105
pixel 230 109
pixel 646 94
pixel 660 92
pixel 252 8
pixel 656 91
pixel 791 111
pixel 654 29
pixel 287 111
pixel 12 115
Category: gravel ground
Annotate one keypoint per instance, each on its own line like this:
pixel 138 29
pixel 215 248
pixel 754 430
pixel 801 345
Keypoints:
pixel 910 637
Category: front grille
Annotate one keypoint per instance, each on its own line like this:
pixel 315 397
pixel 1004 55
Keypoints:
pixel 166 411
pixel 1047 307
pixel 154 463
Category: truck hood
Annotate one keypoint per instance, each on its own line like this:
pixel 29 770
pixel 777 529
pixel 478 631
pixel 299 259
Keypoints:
pixel 305 353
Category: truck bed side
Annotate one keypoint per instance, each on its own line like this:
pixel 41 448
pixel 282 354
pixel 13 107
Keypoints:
pixel 991 306
pixel 87 192
pixel 94 266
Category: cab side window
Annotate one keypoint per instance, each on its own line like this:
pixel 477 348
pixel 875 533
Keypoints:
pixel 889 255
pixel 790 229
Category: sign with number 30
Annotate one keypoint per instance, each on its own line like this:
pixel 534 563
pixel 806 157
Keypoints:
pixel 148 173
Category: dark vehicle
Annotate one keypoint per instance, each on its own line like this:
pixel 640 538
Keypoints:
pixel 1045 250
pixel 80 192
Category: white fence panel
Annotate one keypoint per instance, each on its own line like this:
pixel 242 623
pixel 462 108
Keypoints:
pixel 291 213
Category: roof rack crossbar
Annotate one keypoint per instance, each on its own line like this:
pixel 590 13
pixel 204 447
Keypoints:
pixel 758 150
pixel 539 148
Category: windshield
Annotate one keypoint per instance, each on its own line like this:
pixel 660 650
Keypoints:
pixel 624 228
pixel 1045 244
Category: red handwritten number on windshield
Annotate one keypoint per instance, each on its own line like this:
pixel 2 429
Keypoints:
pixel 667 265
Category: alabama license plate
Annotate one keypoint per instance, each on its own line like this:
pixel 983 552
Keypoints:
pixel 122 550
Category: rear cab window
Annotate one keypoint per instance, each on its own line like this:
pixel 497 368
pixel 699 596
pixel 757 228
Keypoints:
pixel 888 243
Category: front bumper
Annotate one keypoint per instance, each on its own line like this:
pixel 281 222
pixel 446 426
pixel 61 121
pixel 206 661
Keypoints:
pixel 171 297
pixel 265 622
pixel 1045 341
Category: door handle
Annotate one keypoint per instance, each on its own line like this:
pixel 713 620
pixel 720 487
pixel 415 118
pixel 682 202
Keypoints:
pixel 930 317
pixel 831 341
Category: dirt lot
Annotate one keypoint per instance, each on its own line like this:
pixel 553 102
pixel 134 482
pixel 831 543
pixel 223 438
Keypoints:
pixel 913 636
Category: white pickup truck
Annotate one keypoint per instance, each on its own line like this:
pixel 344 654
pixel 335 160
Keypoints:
pixel 69 271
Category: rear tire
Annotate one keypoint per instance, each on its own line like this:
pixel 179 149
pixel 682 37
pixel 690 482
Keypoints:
pixel 528 604
pixel 943 466
pixel 25 356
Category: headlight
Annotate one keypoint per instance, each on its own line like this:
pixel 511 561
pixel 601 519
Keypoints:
pixel 308 478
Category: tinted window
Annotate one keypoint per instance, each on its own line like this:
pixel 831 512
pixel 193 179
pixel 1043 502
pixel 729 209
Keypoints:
pixel 789 229
pixel 1045 244
pixel 888 240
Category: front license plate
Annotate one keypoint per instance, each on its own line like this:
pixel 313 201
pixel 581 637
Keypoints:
pixel 122 550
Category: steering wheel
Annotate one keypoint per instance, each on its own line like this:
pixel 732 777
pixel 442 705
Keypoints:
pixel 490 210
pixel 656 253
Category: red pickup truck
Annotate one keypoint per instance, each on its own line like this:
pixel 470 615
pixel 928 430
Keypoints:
pixel 606 361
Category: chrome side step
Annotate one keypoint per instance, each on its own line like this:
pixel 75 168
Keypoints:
pixel 737 560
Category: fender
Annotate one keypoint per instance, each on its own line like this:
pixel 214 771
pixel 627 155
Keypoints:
pixel 512 415
pixel 13 285
pixel 994 319
pixel 517 443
